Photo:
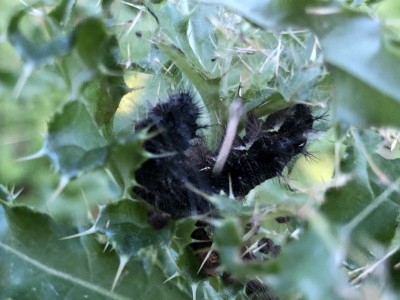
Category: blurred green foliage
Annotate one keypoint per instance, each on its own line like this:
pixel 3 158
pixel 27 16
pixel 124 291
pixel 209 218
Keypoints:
pixel 75 75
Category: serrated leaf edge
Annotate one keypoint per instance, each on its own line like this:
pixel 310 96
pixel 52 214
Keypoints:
pixel 76 281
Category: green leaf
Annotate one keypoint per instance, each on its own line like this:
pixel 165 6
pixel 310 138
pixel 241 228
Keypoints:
pixel 272 102
pixel 62 12
pixel 364 64
pixel 228 206
pixel 32 53
pixel 298 269
pixel 75 146
pixel 7 79
pixel 183 230
pixel 366 57
pixel 207 88
pixel 37 263
pixel 104 94
pixel 394 272
pixel 272 192
pixel 188 266
pixel 352 199
pixel 270 13
pixel 360 108
pixel 107 87
pixel 228 239
pixel 125 156
pixel 31 253
pixel 73 142
pixel 366 206
pixel 125 225
pixel 174 26
pixel 389 9
pixel 6 194
pixel 175 45
pixel 203 36
pixel 90 36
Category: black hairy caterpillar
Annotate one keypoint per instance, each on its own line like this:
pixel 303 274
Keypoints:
pixel 181 158
pixel 163 180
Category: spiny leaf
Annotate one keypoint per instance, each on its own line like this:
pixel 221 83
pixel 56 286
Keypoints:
pixel 75 146
pixel 36 262
pixel 107 86
pixel 175 45
pixel 174 26
pixel 125 225
pixel 364 65
pixel 6 194
pixel 228 238
pixel 344 205
pixel 88 35
pixel 36 54
pixel 73 143
pixel 62 12
pixel 270 13
pixel 203 35
pixel 299 266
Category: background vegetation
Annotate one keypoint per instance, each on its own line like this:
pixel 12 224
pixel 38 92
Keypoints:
pixel 75 75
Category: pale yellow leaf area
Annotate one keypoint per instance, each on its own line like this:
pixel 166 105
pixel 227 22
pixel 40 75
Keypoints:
pixel 136 83
pixel 314 171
